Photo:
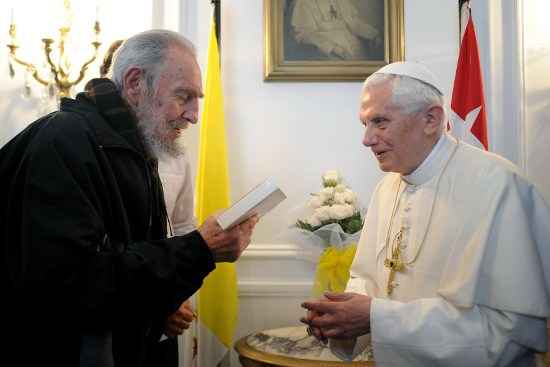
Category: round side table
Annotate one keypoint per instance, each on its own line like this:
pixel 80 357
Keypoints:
pixel 275 348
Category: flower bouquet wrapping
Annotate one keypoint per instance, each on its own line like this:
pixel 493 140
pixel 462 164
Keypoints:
pixel 330 232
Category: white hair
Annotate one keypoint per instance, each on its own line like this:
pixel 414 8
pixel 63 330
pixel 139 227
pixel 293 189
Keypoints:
pixel 147 51
pixel 409 94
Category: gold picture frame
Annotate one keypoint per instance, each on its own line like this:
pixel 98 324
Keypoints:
pixel 324 40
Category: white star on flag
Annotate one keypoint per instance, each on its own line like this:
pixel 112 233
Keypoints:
pixel 462 129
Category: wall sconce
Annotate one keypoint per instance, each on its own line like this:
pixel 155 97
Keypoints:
pixel 58 79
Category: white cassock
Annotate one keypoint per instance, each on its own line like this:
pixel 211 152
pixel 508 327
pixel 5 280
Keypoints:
pixel 478 292
pixel 176 177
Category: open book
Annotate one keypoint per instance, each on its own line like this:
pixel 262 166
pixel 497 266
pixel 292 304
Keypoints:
pixel 259 200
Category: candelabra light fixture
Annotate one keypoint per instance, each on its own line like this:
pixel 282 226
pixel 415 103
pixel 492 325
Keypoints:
pixel 57 77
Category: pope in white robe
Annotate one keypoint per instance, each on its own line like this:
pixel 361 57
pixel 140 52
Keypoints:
pixel 453 265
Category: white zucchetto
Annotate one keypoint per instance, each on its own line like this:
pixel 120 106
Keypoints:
pixel 412 70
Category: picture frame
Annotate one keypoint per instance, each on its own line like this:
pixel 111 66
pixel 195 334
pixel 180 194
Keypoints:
pixel 331 40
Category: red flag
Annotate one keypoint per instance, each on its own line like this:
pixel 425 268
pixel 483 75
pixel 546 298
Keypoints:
pixel 468 103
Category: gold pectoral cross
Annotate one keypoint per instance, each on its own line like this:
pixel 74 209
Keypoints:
pixel 394 263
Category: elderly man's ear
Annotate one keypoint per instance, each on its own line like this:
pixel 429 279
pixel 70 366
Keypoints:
pixel 433 119
pixel 132 85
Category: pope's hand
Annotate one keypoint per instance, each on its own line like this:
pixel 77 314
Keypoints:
pixel 315 331
pixel 180 320
pixel 340 315
pixel 227 246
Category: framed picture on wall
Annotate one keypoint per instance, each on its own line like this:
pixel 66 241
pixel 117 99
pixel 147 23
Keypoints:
pixel 331 39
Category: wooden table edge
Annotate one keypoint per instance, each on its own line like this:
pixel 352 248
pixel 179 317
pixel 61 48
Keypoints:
pixel 245 350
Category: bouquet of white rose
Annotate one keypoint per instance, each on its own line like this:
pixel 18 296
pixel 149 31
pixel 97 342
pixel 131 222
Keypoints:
pixel 332 227
pixel 335 203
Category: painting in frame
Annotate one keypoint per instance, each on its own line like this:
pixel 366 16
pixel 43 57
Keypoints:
pixel 331 39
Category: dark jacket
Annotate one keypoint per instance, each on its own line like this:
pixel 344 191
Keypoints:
pixel 81 248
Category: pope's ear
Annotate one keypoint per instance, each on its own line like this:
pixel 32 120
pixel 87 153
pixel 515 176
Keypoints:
pixel 132 84
pixel 434 118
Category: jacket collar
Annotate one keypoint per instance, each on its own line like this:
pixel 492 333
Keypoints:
pixel 112 120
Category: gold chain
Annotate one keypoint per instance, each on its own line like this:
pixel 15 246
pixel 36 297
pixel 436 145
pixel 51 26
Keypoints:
pixel 393 211
pixel 395 262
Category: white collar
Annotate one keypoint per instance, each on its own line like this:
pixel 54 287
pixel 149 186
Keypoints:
pixel 433 163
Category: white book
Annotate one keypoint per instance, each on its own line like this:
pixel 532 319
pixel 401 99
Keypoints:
pixel 260 200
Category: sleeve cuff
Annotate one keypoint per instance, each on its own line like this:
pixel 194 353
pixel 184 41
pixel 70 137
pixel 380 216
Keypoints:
pixel 204 259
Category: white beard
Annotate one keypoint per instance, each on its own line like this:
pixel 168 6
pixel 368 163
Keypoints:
pixel 155 144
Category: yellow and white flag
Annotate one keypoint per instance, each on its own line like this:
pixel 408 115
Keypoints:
pixel 217 304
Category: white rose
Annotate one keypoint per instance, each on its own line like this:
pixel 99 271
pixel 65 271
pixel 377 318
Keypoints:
pixel 313 220
pixel 350 197
pixel 331 178
pixel 323 213
pixel 326 194
pixel 315 202
pixel 339 198
pixel 349 210
pixel 340 188
pixel 339 211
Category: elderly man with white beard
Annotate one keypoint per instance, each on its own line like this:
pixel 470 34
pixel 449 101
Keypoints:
pixel 86 261
pixel 175 175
